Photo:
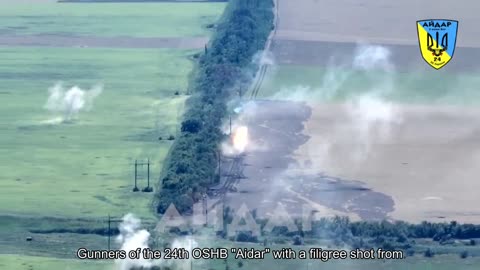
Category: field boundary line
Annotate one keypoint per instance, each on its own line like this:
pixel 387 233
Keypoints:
pixel 260 76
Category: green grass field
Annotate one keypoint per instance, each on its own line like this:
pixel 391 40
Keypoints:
pixel 110 19
pixel 44 263
pixel 431 87
pixel 413 263
pixel 85 168
pixel 416 262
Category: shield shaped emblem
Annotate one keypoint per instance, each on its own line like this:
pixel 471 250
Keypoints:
pixel 437 40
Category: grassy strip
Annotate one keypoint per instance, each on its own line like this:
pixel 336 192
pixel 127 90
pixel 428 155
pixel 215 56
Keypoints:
pixel 225 66
pixel 110 19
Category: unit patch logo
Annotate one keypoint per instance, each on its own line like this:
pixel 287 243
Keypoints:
pixel 437 40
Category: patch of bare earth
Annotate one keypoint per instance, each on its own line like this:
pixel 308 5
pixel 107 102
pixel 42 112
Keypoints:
pixel 270 174
pixel 309 32
pixel 391 22
pixel 428 162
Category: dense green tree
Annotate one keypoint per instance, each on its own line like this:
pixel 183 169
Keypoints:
pixel 226 64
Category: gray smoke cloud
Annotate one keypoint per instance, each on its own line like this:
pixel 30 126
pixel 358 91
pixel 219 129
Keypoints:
pixel 351 111
pixel 70 102
pixel 132 236
pixel 367 110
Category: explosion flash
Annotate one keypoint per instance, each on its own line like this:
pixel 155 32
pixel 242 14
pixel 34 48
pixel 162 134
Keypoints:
pixel 240 138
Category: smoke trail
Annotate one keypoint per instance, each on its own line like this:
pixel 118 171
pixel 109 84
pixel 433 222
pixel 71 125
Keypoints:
pixel 372 115
pixel 69 103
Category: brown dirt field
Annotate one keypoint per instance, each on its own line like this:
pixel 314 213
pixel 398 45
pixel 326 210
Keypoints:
pixel 103 42
pixel 371 20
pixel 428 163
pixel 270 178
pixel 428 160
pixel 309 31
pixel 403 57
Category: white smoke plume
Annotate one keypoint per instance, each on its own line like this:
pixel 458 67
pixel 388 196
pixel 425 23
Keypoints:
pixel 132 237
pixel 70 102
pixel 188 243
pixel 264 58
pixel 370 114
pixel 372 118
pixel 368 57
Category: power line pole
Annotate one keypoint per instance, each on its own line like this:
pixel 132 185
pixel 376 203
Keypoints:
pixel 139 163
pixel 135 189
pixel 109 230
pixel 205 208
pixel 148 174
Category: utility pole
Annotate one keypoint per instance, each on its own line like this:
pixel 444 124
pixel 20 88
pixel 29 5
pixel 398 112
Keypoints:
pixel 219 163
pixel 142 163
pixel 109 230
pixel 135 189
pixel 148 174
pixel 205 208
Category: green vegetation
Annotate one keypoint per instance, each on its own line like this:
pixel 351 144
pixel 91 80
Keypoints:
pixel 229 59
pixel 43 263
pixel 443 238
pixel 85 168
pixel 429 87
pixel 57 237
pixel 110 19
pixel 411 263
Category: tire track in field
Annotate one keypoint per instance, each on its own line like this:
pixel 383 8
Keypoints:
pixel 264 67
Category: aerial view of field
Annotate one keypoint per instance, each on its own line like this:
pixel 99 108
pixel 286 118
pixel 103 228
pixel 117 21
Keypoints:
pixel 348 119
pixel 87 89
pixel 378 114
pixel 146 87
pixel 130 125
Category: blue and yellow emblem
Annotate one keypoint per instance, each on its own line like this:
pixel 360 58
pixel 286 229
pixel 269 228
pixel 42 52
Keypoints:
pixel 437 40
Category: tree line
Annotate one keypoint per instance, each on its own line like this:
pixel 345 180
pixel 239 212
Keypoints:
pixel 385 234
pixel 222 71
